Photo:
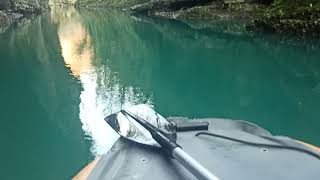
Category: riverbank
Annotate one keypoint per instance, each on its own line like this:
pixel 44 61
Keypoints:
pixel 277 17
pixel 13 10
pixel 291 18
pixel 297 17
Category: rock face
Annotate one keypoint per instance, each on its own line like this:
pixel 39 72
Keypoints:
pixel 12 10
pixel 24 6
pixel 281 16
pixel 30 6
pixel 61 2
pixel 109 3
pixel 298 18
pixel 204 9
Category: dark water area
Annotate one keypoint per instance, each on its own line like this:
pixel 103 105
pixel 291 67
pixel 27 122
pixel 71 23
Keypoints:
pixel 62 73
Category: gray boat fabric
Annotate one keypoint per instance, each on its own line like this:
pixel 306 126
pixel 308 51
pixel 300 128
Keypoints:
pixel 227 159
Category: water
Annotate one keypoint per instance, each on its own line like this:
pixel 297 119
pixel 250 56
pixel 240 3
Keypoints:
pixel 62 73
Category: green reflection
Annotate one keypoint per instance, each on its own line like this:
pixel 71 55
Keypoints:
pixel 102 92
pixel 203 73
pixel 41 136
pixel 61 75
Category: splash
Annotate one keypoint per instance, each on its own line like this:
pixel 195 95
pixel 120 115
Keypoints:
pixel 102 93
pixel 97 102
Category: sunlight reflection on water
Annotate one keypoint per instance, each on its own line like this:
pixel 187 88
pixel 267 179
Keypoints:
pixel 102 94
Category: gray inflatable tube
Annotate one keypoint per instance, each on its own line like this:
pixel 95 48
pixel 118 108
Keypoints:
pixel 264 157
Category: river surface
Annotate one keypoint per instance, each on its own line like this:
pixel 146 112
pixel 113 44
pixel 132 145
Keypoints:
pixel 62 73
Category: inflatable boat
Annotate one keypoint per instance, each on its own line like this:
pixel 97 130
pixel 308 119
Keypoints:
pixel 225 149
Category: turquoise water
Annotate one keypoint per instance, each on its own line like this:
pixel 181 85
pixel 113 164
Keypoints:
pixel 63 72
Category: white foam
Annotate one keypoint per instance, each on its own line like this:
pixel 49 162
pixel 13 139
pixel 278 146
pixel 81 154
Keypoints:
pixel 100 99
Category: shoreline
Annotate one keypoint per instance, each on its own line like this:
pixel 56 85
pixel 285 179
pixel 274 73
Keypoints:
pixel 256 17
pixel 272 16
pixel 237 16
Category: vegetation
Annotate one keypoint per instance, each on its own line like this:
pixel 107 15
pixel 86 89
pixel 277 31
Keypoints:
pixel 291 16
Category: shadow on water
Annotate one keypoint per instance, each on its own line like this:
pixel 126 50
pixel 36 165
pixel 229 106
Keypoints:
pixel 41 136
pixel 62 74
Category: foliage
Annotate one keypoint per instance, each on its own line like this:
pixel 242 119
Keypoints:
pixel 294 9
pixel 300 3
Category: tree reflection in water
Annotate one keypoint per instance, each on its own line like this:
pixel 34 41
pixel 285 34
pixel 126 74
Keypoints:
pixel 102 93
